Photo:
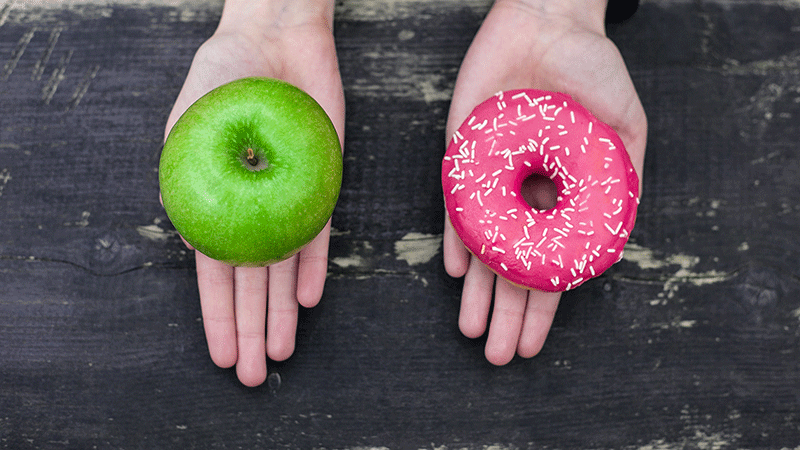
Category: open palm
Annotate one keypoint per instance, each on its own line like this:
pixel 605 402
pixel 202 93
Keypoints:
pixel 516 47
pixel 251 313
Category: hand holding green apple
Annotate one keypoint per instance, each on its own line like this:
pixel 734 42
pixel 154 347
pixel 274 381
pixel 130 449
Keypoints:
pixel 251 172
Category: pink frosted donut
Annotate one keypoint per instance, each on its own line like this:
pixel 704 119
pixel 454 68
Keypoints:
pixel 519 133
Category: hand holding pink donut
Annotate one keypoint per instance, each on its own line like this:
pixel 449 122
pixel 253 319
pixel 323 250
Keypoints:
pixel 524 133
pixel 552 46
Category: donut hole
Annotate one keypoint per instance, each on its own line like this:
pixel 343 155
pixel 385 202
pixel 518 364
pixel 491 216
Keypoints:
pixel 539 192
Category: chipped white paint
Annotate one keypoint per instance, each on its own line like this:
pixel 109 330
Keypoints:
pixel 484 447
pixel 646 260
pixel 701 439
pixel 417 248
pixel 83 223
pixel 407 78
pixel 379 10
pixel 5 177
pixel 348 261
pixel 430 93
pixel 155 232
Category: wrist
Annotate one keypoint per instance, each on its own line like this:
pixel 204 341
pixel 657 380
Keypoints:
pixel 257 17
pixel 589 13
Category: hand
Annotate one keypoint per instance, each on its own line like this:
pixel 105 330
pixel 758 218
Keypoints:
pixel 556 45
pixel 291 40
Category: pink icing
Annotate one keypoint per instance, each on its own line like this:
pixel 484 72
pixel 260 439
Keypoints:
pixel 513 135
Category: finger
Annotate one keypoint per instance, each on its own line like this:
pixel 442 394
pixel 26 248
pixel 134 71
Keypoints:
pixel 506 325
pixel 251 309
pixel 312 269
pixel 188 245
pixel 282 313
pixel 456 256
pixel 215 284
pixel 539 314
pixel 476 299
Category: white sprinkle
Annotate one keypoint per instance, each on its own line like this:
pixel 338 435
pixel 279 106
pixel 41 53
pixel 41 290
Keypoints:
pixel 504 266
pixel 572 116
pixel 612 230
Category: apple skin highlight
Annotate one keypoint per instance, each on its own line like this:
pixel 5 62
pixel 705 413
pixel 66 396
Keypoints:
pixel 244 214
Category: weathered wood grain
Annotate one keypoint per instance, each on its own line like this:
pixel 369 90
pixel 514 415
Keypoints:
pixel 691 342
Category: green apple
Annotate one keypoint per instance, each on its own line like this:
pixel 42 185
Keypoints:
pixel 251 172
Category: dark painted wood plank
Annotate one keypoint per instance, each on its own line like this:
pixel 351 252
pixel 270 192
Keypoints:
pixel 690 342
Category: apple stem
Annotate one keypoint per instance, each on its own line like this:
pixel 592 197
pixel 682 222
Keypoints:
pixel 251 157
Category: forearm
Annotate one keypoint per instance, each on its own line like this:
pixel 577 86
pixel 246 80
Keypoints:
pixel 256 16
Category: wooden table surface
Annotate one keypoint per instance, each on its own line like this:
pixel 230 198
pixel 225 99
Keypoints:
pixel 691 342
